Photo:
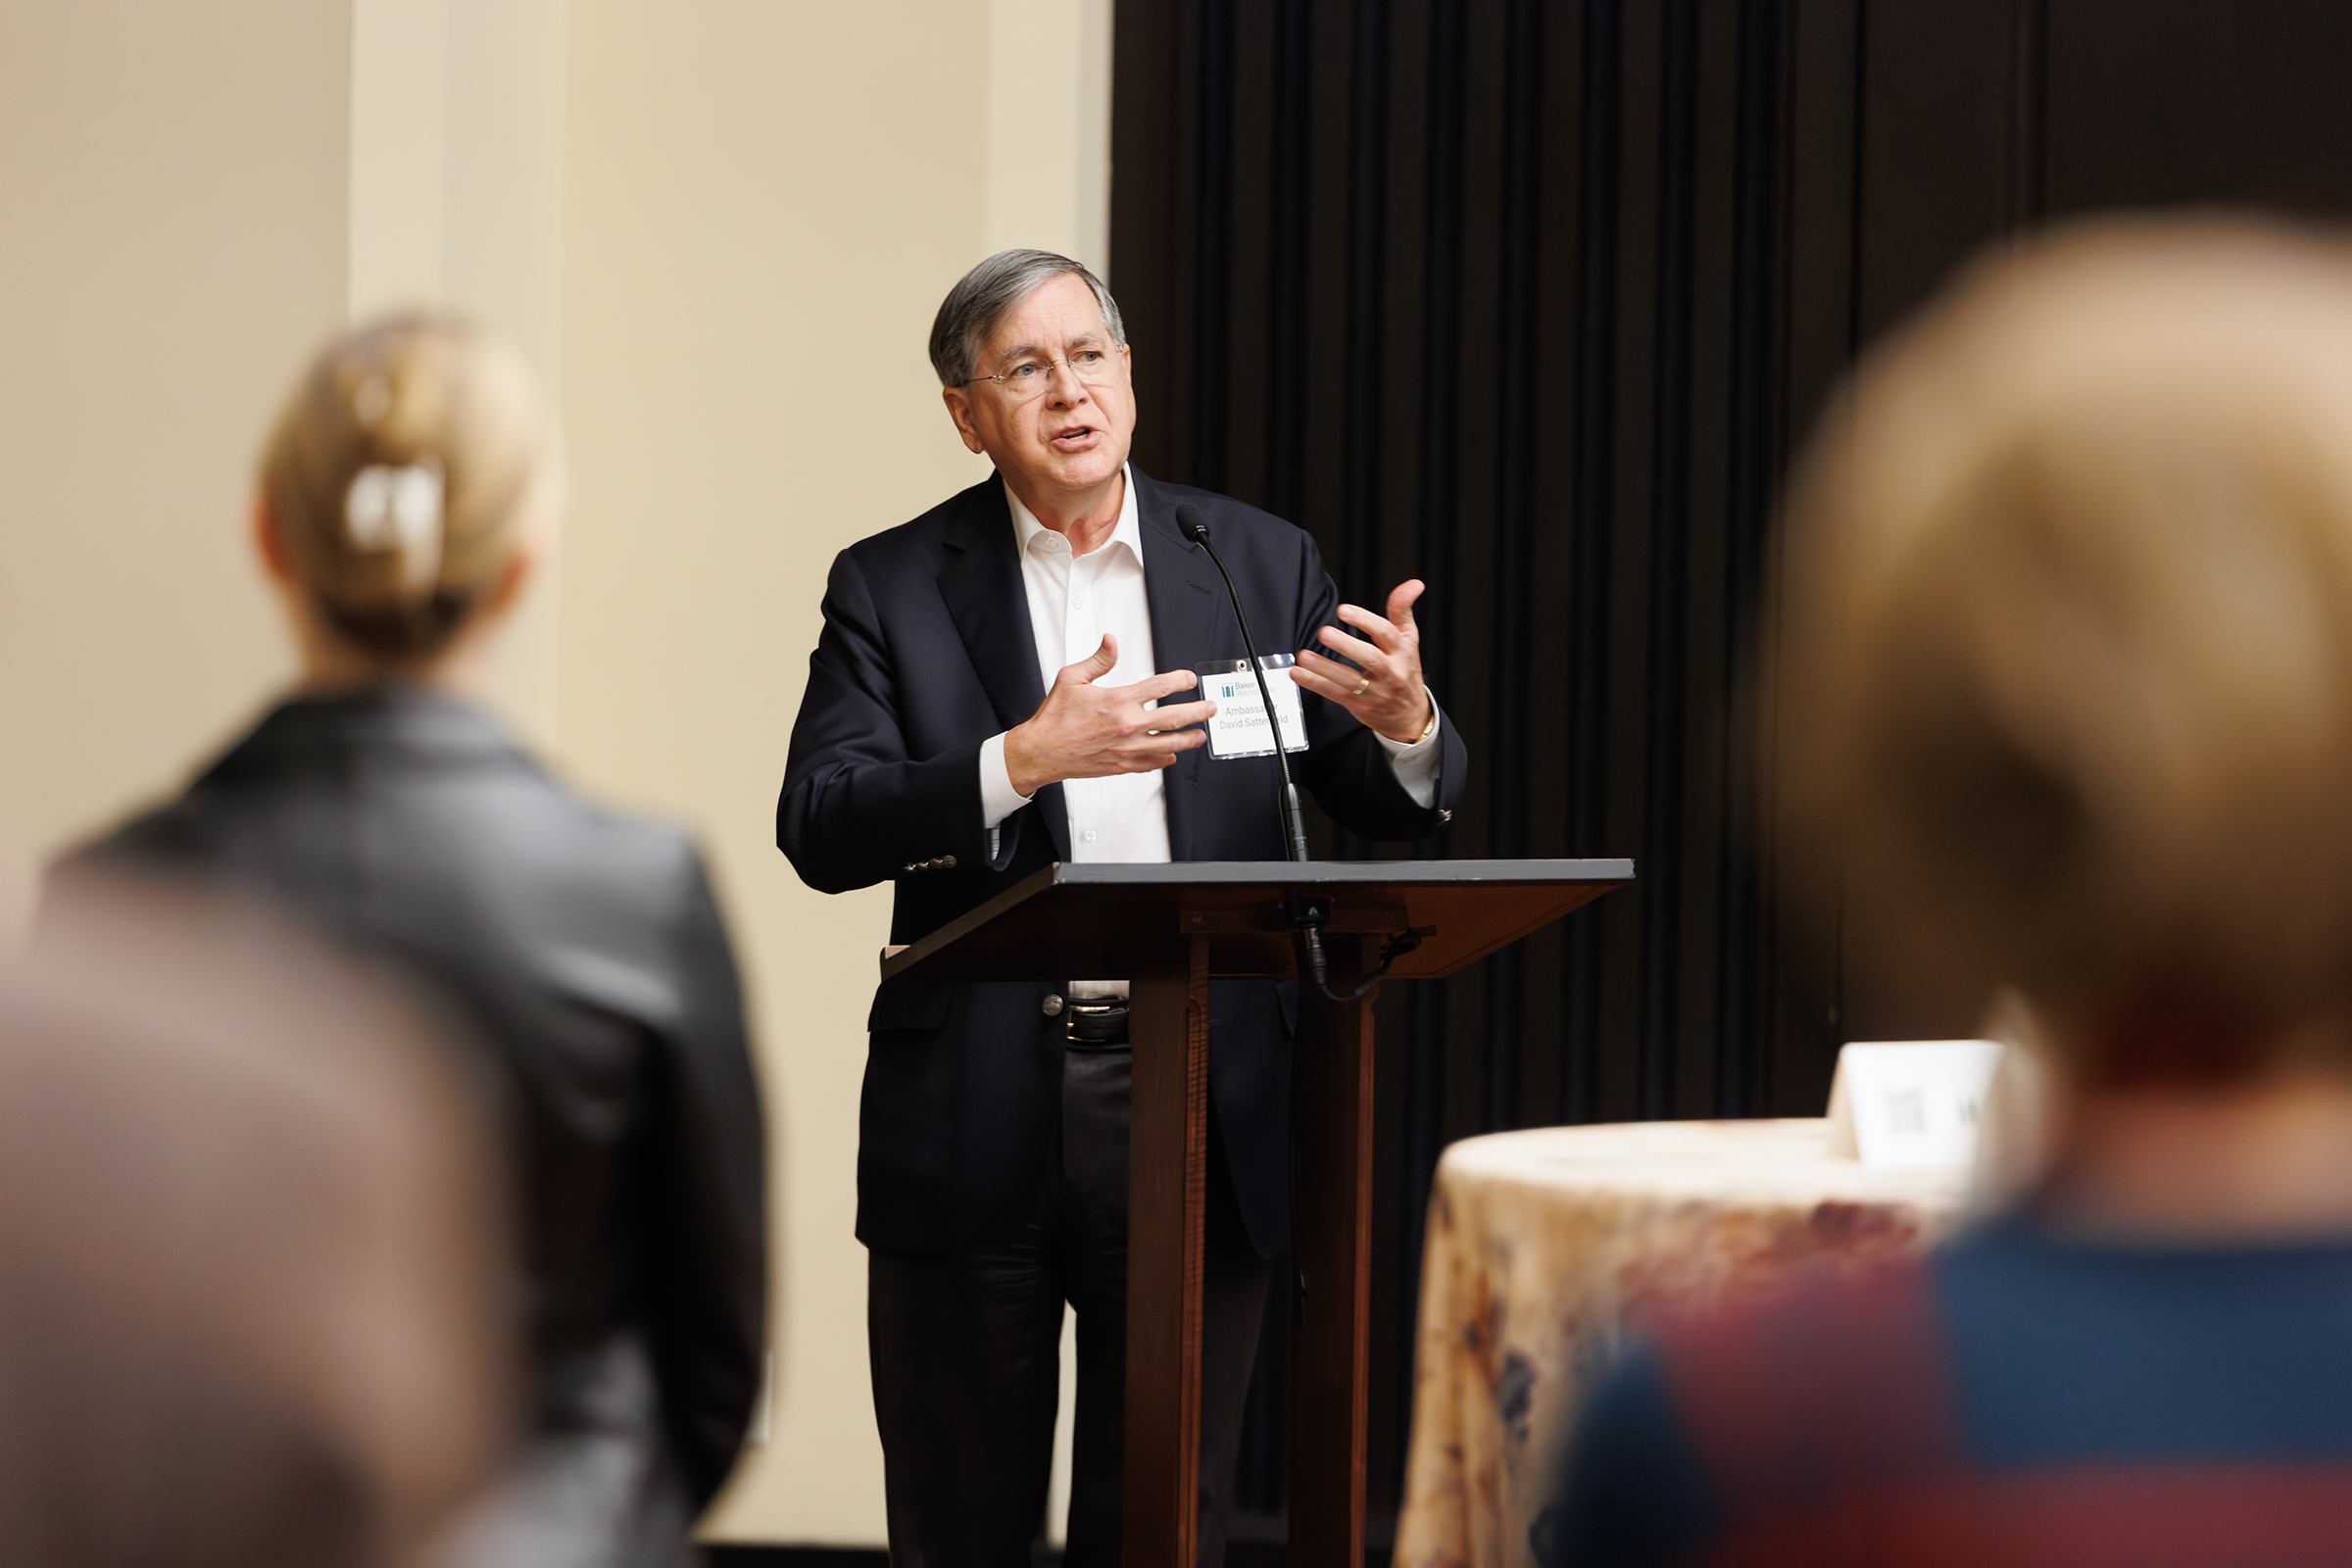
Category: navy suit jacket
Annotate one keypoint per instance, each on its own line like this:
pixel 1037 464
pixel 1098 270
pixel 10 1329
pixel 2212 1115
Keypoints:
pixel 926 653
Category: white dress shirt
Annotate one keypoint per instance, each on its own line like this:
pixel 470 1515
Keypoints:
pixel 1072 601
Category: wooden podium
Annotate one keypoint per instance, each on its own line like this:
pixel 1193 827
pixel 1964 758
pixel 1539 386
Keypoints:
pixel 1169 929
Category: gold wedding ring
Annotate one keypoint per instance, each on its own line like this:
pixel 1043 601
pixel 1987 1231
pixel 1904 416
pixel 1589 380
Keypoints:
pixel 1361 687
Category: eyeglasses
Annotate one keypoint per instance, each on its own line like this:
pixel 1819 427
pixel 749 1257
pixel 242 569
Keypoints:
pixel 1030 377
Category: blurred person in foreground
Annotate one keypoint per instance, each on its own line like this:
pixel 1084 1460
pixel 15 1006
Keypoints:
pixel 407 494
pixel 253 1272
pixel 2069 643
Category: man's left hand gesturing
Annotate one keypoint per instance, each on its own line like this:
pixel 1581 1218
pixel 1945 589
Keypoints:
pixel 1385 692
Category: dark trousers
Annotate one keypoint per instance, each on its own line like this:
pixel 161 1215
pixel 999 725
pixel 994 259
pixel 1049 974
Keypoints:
pixel 967 1357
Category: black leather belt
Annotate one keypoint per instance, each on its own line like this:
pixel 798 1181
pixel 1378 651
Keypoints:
pixel 1089 1023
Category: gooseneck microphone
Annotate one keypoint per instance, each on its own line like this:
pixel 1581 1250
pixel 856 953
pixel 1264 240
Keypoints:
pixel 1293 821
pixel 1307 915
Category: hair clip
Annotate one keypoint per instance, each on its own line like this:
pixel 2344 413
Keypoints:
pixel 398 509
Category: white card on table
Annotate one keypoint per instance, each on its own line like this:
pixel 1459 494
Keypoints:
pixel 1238 728
pixel 1911 1103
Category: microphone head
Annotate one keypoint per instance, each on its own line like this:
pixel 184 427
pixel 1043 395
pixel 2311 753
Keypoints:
pixel 1189 523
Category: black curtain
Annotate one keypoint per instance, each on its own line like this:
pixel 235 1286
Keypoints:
pixel 1534 299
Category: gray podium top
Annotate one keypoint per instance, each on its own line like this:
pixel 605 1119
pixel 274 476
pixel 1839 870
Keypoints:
pixel 1105 919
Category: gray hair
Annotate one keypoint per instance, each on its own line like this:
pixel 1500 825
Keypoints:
pixel 977 302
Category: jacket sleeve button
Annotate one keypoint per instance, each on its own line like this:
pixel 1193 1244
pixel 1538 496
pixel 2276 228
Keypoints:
pixel 1050 1006
pixel 946 862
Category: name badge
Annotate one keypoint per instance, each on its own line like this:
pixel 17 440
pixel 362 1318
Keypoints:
pixel 1911 1103
pixel 1240 727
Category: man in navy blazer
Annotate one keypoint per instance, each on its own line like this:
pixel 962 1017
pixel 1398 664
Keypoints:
pixel 976 709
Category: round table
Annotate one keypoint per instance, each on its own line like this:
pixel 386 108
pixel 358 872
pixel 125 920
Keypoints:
pixel 1545 1247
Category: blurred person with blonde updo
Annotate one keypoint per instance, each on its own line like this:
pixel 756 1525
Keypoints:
pixel 408 493
pixel 2069 682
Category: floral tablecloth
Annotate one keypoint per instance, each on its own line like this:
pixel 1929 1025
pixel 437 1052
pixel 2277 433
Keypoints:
pixel 1546 1248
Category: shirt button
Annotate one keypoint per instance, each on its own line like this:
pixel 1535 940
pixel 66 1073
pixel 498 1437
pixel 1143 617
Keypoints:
pixel 1078 603
pixel 1089 835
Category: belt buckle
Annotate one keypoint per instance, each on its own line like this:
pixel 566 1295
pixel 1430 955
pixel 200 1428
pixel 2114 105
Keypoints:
pixel 1095 1022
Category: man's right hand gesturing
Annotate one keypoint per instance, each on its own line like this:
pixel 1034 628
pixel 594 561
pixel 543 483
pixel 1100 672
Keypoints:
pixel 1083 730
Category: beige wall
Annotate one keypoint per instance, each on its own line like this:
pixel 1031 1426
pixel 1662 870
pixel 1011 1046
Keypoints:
pixel 172 240
pixel 195 195
pixel 759 225
pixel 456 153
pixel 765 204
pixel 720 227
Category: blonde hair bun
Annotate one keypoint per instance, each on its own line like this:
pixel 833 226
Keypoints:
pixel 412 460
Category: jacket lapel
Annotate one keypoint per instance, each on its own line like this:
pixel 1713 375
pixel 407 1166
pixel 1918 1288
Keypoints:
pixel 980 579
pixel 1189 619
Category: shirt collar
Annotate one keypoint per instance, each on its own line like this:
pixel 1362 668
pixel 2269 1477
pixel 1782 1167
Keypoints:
pixel 1128 531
